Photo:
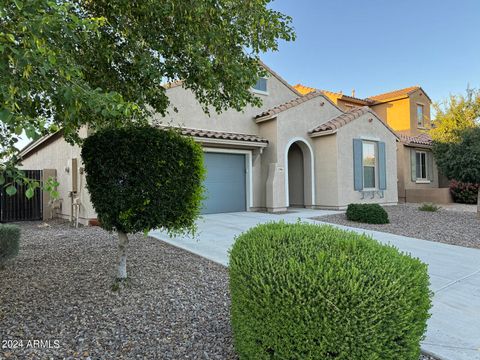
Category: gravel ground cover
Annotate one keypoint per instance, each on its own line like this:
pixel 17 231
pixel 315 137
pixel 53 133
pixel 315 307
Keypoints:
pixel 58 290
pixel 176 305
pixel 447 226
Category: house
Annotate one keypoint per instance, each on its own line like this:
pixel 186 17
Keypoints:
pixel 294 151
pixel 407 111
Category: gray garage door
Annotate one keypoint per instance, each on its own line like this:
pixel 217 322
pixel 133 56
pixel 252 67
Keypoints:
pixel 225 183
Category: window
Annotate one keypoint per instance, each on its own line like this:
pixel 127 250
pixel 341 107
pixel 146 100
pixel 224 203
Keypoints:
pixel 369 164
pixel 420 115
pixel 261 86
pixel 421 165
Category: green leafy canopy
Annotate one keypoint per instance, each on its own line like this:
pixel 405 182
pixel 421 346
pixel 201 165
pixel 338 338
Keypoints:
pixel 460 160
pixel 65 64
pixel 457 113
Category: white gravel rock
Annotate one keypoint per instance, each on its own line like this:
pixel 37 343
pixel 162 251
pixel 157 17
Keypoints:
pixel 175 305
pixel 447 226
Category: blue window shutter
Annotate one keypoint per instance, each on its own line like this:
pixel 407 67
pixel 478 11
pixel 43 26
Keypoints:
pixel 357 164
pixel 413 164
pixel 382 167
pixel 430 166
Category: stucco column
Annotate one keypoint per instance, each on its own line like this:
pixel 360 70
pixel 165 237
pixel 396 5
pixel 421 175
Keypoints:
pixel 276 188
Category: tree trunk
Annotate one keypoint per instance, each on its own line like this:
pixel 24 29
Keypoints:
pixel 122 255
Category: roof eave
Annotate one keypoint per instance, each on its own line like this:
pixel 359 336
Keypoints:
pixel 241 143
pixel 265 118
pixel 323 133
pixel 409 144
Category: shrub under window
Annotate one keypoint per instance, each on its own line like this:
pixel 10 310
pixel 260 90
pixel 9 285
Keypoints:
pixel 367 213
pixel 302 291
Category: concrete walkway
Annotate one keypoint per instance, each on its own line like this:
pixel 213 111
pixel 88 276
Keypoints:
pixel 454 328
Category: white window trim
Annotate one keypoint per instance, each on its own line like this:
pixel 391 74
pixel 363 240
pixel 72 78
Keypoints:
pixel 261 92
pixel 425 179
pixel 375 167
pixel 248 168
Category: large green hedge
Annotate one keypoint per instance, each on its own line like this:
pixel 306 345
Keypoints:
pixel 140 178
pixel 303 291
pixel 9 242
pixel 367 213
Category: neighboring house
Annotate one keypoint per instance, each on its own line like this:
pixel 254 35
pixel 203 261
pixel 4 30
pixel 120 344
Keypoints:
pixel 295 150
pixel 407 111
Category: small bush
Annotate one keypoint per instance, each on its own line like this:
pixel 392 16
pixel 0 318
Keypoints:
pixel 429 207
pixel 302 291
pixel 367 213
pixel 9 242
pixel 464 193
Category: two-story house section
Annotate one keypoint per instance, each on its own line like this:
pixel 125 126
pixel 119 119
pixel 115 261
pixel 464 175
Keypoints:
pixel 293 151
pixel 407 112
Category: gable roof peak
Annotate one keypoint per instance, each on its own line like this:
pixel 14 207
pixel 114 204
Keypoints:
pixel 341 120
pixel 395 93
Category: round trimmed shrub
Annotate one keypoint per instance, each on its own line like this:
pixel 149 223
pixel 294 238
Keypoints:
pixel 141 178
pixel 367 213
pixel 9 242
pixel 302 291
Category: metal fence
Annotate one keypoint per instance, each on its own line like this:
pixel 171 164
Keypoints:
pixel 18 207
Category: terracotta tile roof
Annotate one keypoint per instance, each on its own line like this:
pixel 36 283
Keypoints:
pixel 288 105
pixel 345 118
pixel 394 94
pixel 307 89
pixel 341 120
pixel 422 139
pixel 211 134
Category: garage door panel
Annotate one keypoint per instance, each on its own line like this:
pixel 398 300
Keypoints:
pixel 225 188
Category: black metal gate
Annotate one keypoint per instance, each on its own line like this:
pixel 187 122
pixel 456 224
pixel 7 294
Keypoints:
pixel 18 207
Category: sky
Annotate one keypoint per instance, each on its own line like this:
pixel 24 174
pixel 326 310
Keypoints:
pixel 375 46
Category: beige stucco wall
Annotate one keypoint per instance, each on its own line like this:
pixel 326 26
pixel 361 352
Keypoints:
pixel 291 126
pixel 401 113
pixel 326 171
pixel 190 112
pixel 405 177
pixel 419 97
pixel 396 113
pixel 366 127
pixel 58 155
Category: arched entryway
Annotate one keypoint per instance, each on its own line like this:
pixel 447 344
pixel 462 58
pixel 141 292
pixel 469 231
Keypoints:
pixel 296 179
pixel 299 174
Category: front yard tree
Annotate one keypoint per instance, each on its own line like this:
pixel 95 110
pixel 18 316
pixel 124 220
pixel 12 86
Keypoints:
pixel 457 113
pixel 68 63
pixel 142 178
pixel 460 160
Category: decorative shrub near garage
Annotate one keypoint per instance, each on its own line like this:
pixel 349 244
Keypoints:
pixel 367 213
pixel 464 193
pixel 302 291
pixel 143 178
pixel 9 242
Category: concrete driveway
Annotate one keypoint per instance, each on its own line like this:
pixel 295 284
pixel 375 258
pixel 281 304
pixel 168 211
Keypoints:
pixel 454 328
